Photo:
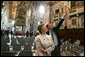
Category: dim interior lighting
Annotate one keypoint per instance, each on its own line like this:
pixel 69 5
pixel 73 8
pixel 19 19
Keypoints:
pixel 41 9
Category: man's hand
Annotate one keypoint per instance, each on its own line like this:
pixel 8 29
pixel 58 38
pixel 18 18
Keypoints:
pixel 63 16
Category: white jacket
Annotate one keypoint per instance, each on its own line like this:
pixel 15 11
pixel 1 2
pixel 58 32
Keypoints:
pixel 46 42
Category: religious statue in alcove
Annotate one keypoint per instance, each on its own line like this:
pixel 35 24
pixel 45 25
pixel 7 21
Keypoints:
pixel 74 22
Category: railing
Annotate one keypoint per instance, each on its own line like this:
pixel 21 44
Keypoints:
pixel 73 34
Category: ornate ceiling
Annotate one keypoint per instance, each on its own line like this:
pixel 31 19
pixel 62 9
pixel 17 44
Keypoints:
pixel 14 5
pixel 12 8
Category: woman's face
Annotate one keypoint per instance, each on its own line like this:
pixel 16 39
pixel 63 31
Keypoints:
pixel 44 28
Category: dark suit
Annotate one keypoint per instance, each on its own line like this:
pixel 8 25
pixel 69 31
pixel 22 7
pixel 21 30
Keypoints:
pixel 56 51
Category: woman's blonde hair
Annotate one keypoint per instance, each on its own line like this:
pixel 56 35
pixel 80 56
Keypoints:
pixel 40 27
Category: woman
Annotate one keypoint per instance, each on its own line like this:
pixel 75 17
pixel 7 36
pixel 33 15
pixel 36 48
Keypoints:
pixel 44 42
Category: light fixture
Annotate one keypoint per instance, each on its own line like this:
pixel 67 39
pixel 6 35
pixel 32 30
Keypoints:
pixel 13 22
pixel 38 23
pixel 3 3
pixel 12 28
pixel 29 13
pixel 2 11
pixel 77 15
pixel 42 9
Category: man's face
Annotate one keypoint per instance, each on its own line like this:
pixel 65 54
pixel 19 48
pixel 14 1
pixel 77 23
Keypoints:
pixel 50 26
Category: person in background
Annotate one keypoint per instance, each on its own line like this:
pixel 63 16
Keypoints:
pixel 11 33
pixel 27 34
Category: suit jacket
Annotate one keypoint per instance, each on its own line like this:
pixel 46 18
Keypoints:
pixel 55 30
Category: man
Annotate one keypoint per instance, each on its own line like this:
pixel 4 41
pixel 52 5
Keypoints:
pixel 53 31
